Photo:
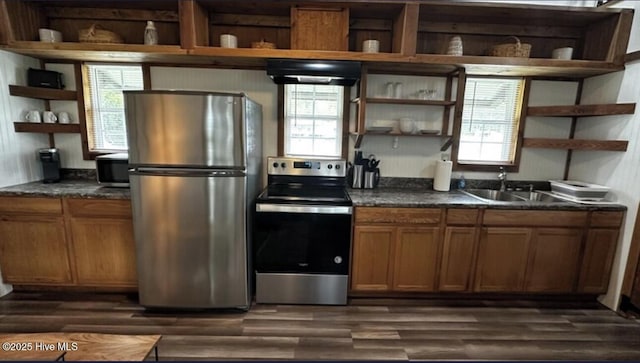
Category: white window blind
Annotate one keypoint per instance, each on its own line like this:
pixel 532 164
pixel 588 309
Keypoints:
pixel 313 120
pixel 106 126
pixel 490 120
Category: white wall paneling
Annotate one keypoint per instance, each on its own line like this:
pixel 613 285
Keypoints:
pixel 618 170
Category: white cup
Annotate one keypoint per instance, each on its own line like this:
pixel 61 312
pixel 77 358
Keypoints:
pixel 63 117
pixel 48 116
pixel 49 35
pixel 33 116
pixel 562 53
pixel 228 41
pixel 371 46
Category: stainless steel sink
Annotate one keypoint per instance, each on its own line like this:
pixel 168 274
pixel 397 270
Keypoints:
pixel 494 195
pixel 537 197
pixel 512 196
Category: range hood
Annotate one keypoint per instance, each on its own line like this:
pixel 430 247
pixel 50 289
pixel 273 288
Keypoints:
pixel 308 71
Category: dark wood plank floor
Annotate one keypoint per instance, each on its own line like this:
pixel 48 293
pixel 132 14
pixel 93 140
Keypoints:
pixel 364 330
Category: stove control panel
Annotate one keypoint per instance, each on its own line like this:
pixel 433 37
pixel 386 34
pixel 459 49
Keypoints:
pixel 306 167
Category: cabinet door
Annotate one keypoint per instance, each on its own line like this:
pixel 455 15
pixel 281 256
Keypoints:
pixel 33 250
pixel 598 258
pixel 457 258
pixel 553 260
pixel 320 29
pixel 104 251
pixel 502 259
pixel 372 258
pixel 416 259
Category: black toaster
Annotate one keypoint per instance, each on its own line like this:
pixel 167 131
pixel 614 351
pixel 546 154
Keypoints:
pixel 44 78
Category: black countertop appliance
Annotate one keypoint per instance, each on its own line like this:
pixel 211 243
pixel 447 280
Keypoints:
pixel 50 159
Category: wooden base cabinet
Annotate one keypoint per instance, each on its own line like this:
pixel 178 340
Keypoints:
pixel 102 242
pixel 33 242
pixel 104 251
pixel 372 258
pixel 598 259
pixel 33 250
pixel 502 259
pixel 416 254
pixel 554 260
pixel 67 242
pixel 599 251
pixel 457 258
pixel 395 249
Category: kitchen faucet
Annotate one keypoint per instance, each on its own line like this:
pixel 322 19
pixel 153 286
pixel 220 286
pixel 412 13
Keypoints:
pixel 502 176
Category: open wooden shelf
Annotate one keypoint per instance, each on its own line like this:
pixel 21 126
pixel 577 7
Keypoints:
pixel 576 144
pixel 46 128
pixel 583 110
pixel 43 93
pixel 360 136
pixel 102 52
pixel 256 58
pixel 402 101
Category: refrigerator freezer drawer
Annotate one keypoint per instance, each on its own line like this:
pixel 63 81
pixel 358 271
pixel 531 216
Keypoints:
pixel 191 241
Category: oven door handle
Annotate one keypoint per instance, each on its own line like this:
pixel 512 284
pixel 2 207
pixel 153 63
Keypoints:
pixel 302 208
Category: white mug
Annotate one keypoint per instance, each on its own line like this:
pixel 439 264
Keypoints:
pixel 48 116
pixel 33 116
pixel 228 41
pixel 371 46
pixel 63 117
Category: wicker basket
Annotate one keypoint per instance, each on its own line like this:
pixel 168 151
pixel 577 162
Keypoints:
pixel 520 50
pixel 95 35
pixel 263 45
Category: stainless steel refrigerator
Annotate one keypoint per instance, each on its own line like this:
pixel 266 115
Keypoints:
pixel 195 160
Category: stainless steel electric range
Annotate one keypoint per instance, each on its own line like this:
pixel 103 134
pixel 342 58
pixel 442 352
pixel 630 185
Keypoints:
pixel 302 233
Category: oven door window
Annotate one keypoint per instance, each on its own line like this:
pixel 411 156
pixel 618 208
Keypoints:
pixel 302 243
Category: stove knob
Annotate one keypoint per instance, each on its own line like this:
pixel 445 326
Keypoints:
pixel 337 166
pixel 275 165
pixel 337 259
pixel 330 166
pixel 283 165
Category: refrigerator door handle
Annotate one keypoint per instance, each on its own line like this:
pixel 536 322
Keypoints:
pixel 187 172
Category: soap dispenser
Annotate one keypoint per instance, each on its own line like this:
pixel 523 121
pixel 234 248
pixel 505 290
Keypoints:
pixel 462 183
pixel 150 34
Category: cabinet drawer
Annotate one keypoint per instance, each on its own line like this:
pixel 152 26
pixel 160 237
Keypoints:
pixel 606 219
pixel 397 215
pixel 534 218
pixel 98 207
pixel 30 205
pixel 462 216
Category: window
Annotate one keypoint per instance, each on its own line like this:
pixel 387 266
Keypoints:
pixel 313 120
pixel 106 128
pixel 490 121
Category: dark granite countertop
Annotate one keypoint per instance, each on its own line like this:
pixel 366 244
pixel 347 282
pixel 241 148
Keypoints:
pixel 411 197
pixel 381 197
pixel 66 188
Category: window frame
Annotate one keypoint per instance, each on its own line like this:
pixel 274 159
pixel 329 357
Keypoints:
pixel 521 116
pixel 84 99
pixel 345 121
